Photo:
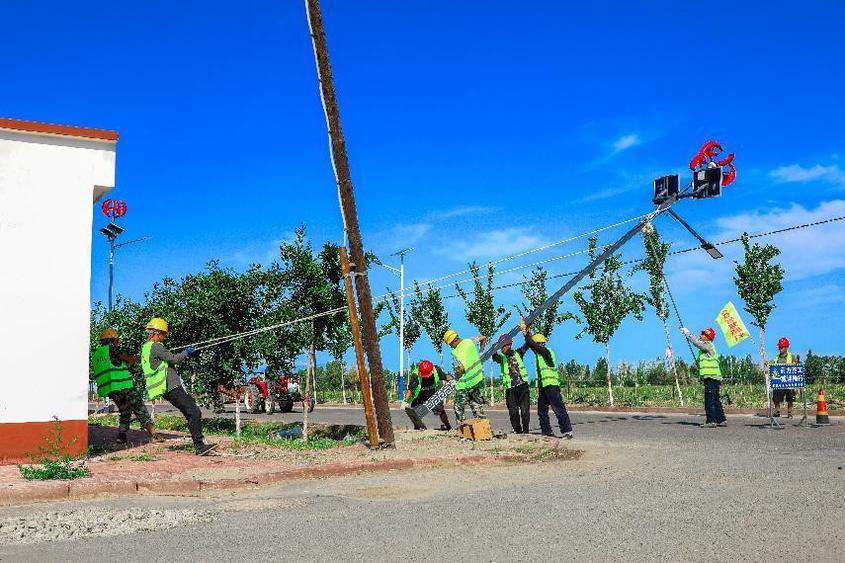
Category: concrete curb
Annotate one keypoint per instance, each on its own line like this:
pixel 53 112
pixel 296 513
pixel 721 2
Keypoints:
pixel 74 490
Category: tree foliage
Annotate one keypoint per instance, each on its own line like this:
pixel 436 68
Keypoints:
pixel 758 280
pixel 431 314
pixel 606 301
pixel 535 293
pixel 481 309
pixel 654 264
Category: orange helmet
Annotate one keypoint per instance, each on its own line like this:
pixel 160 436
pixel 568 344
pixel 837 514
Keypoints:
pixel 783 343
pixel 426 368
pixel 709 333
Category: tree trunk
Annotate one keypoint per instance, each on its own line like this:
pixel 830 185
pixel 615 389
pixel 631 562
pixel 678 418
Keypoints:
pixel 609 379
pixel 307 403
pixel 765 368
pixel 238 397
pixel 672 362
pixel 342 380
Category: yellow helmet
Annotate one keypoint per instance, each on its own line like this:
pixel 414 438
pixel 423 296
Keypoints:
pixel 108 334
pixel 449 336
pixel 539 338
pixel 157 324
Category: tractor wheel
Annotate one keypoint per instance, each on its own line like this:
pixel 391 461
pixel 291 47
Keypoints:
pixel 286 404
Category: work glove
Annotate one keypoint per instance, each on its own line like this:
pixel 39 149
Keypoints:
pixel 685 330
pixel 190 350
pixel 404 405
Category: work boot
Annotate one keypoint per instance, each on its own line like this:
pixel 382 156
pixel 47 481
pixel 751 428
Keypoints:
pixel 121 439
pixel 723 424
pixel 205 449
pixel 567 435
pixel 788 414
pixel 776 414
pixel 154 436
pixel 445 427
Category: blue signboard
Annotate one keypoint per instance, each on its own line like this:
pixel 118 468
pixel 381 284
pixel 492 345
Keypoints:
pixel 785 376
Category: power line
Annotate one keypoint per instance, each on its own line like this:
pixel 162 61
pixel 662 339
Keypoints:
pixel 224 339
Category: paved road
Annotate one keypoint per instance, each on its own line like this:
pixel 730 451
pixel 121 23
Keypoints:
pixel 648 487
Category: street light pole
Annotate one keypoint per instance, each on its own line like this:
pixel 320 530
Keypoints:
pixel 401 272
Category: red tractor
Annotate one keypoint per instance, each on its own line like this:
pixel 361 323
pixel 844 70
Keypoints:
pixel 275 393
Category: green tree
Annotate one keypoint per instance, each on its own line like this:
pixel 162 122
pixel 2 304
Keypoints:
pixel 654 264
pixel 481 309
pixel 412 331
pixel 605 302
pixel 430 313
pixel 758 280
pixel 535 293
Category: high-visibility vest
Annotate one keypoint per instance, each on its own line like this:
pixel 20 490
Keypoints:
pixel 466 353
pixel 547 375
pixel 777 362
pixel 506 371
pixel 415 373
pixel 109 377
pixel 156 379
pixel 708 368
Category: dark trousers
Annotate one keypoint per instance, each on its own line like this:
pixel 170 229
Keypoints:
pixel 549 396
pixel 518 400
pixel 180 399
pixel 712 403
pixel 129 402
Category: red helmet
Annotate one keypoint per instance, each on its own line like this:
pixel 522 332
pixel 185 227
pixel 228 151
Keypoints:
pixel 783 343
pixel 426 368
pixel 507 341
pixel 709 333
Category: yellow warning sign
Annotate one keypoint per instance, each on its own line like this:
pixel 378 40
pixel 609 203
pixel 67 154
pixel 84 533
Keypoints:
pixel 732 326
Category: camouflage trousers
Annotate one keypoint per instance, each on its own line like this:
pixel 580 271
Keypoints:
pixel 469 397
pixel 129 402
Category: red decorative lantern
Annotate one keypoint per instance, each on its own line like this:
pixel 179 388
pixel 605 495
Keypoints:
pixel 114 208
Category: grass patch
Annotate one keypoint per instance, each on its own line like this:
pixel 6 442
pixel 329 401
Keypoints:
pixel 51 463
pixel 135 457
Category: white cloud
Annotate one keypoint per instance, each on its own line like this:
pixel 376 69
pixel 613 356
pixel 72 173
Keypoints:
pixel 797 173
pixel 462 211
pixel 491 245
pixel 408 234
pixel 626 142
pixel 605 194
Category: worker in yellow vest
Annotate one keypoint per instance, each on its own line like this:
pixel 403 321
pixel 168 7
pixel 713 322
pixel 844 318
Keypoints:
pixel 159 365
pixel 548 385
pixel 515 382
pixel 784 357
pixel 466 360
pixel 710 373
pixel 115 381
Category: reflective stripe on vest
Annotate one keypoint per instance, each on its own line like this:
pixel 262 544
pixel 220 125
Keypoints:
pixel 708 368
pixel 415 373
pixel 547 375
pixel 156 378
pixel 506 371
pixel 777 362
pixel 109 378
pixel 467 355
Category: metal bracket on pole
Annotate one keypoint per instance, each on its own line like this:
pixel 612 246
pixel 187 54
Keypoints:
pixel 709 247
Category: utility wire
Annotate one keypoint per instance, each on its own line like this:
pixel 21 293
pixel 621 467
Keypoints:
pixel 202 345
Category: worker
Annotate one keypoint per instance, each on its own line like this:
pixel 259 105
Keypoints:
pixel 425 382
pixel 710 373
pixel 515 382
pixel 115 381
pixel 548 384
pixel 468 372
pixel 784 357
pixel 159 365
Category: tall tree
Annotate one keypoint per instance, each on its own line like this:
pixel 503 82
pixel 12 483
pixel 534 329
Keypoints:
pixel 656 251
pixel 481 309
pixel 758 280
pixel 605 302
pixel 428 310
pixel 535 293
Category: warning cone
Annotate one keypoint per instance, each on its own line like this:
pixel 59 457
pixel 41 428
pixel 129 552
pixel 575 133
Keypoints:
pixel 821 410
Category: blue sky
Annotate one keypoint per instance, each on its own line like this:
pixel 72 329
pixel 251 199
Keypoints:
pixel 475 131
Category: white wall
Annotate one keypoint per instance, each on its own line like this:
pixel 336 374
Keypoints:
pixel 46 191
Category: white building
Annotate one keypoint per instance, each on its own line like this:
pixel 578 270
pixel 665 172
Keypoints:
pixel 49 175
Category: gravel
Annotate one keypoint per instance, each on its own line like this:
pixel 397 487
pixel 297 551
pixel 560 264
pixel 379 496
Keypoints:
pixel 80 524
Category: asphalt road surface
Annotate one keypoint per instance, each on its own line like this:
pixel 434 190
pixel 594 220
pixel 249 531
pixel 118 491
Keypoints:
pixel 648 487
